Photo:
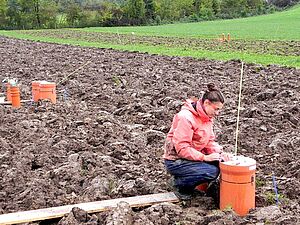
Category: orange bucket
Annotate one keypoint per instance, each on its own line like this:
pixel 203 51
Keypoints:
pixel 237 186
pixel 35 90
pixel 15 97
pixel 228 37
pixel 47 90
pixel 8 94
pixel 223 37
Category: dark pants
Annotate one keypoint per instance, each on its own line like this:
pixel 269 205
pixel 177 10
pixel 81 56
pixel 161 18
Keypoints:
pixel 188 174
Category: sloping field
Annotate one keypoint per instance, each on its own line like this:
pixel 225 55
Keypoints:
pixel 277 26
pixel 269 39
pixel 103 139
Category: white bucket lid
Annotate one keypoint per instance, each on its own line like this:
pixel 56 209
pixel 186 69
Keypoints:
pixel 240 161
pixel 44 82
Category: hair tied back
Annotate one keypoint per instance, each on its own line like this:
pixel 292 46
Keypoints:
pixel 212 87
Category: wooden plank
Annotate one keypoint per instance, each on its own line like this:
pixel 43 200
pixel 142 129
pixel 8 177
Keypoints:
pixel 5 103
pixel 9 102
pixel 90 207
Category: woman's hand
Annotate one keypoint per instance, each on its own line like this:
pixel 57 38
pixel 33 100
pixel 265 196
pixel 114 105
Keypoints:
pixel 212 157
pixel 222 156
pixel 225 156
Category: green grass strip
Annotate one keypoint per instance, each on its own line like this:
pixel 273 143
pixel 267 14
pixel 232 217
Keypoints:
pixel 290 61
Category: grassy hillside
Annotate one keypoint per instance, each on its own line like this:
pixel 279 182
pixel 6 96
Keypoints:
pixel 268 39
pixel 278 26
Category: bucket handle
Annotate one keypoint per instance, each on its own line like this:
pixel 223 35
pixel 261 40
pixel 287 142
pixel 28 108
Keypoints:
pixel 252 179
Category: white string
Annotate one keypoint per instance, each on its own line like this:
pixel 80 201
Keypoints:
pixel 238 111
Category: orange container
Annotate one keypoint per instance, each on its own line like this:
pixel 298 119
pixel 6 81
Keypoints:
pixel 237 186
pixel 223 37
pixel 8 94
pixel 228 37
pixel 47 90
pixel 35 90
pixel 15 97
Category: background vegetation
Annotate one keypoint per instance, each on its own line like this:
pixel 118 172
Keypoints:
pixel 266 39
pixel 33 14
pixel 263 39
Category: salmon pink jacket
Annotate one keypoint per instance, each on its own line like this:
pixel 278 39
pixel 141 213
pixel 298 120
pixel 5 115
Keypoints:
pixel 191 135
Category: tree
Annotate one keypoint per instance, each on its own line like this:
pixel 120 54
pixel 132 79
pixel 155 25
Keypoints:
pixel 283 3
pixel 105 14
pixel 233 8
pixel 73 13
pixel 183 7
pixel 109 14
pixel 196 5
pixel 216 6
pixel 48 13
pixel 164 9
pixel 36 11
pixel 255 6
pixel 149 9
pixel 170 10
pixel 118 14
pixel 12 14
pixel 3 11
pixel 206 9
pixel 135 11
pixel 27 15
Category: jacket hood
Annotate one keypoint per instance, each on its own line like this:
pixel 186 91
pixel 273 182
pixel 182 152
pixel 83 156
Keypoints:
pixel 199 112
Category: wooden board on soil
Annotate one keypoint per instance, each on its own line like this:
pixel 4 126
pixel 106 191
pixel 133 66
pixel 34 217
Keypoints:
pixel 90 207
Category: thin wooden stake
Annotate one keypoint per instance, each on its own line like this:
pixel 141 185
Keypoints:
pixel 238 112
pixel 70 74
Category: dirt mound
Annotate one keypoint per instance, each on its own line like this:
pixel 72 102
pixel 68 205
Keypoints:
pixel 104 137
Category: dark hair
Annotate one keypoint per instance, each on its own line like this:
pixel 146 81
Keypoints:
pixel 213 94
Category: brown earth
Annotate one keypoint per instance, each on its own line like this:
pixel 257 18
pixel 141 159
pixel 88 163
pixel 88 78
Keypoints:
pixel 103 139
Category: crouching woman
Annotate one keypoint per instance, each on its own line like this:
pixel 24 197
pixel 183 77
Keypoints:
pixel 191 154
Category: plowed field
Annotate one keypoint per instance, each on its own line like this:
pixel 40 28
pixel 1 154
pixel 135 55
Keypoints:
pixel 104 137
